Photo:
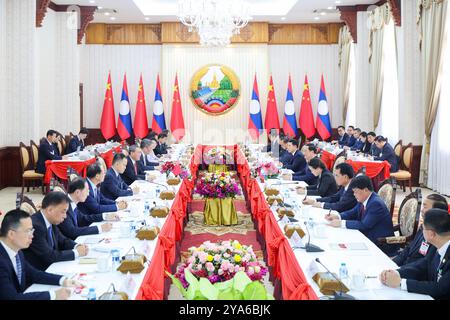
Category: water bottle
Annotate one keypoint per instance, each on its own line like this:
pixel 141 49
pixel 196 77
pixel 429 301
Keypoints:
pixel 91 294
pixel 158 190
pixel 147 207
pixel 343 272
pixel 133 228
pixel 115 258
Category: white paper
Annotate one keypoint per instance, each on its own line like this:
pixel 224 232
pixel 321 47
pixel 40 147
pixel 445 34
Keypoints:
pixel 296 240
pixel 128 285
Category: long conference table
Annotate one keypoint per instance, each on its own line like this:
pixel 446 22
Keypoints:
pixel 290 267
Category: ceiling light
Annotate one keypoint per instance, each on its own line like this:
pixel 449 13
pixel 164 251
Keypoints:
pixel 113 18
pixel 316 18
pixel 92 1
pixel 337 1
pixel 107 13
pixel 330 8
pixel 323 13
pixel 283 18
pixel 100 8
pixel 147 18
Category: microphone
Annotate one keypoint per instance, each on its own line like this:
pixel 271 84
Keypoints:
pixel 309 246
pixel 341 295
pixel 159 184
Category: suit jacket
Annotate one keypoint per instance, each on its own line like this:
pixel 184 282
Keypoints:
pixel 366 147
pixel 388 154
pixel 374 223
pixel 411 252
pixel 47 151
pixel 113 186
pixel 10 289
pixel 351 141
pixel 374 151
pixel 285 157
pixel 422 275
pixel 93 207
pixel 306 176
pixel 73 145
pixel 129 175
pixel 358 145
pixel 325 187
pixel 70 226
pixel 340 201
pixel 40 254
pixel 343 140
pixel 297 163
pixel 147 165
pixel 160 149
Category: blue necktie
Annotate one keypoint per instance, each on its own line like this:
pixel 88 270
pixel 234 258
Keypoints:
pixel 75 215
pixel 50 237
pixel 435 264
pixel 19 269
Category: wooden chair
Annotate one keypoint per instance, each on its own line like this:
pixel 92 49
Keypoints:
pixel 102 163
pixel 28 174
pixel 34 153
pixel 387 191
pixel 340 158
pixel 398 148
pixel 361 171
pixel 26 204
pixel 405 174
pixel 57 186
pixel 408 220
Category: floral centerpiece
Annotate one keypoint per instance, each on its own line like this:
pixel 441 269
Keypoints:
pixel 219 262
pixel 267 170
pixel 217 185
pixel 175 168
pixel 218 155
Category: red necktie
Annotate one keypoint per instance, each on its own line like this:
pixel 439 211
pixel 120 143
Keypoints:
pixel 135 167
pixel 362 211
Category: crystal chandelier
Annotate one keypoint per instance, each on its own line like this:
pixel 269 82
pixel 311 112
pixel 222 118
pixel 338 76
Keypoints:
pixel 214 20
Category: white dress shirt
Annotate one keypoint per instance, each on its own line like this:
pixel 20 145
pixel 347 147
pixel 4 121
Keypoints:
pixel 343 223
pixel 442 250
pixel 12 256
pixel 73 205
pixel 48 225
pixel 345 190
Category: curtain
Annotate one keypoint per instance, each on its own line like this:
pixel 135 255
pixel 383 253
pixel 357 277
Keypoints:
pixel 377 19
pixel 345 47
pixel 431 20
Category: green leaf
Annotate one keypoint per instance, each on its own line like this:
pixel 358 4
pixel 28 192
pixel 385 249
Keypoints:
pixel 226 295
pixel 199 296
pixel 191 279
pixel 177 283
pixel 240 281
pixel 237 295
pixel 222 286
pixel 269 296
pixel 208 290
pixel 255 291
pixel 190 293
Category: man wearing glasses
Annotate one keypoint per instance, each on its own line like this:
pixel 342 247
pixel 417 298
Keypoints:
pixel 16 274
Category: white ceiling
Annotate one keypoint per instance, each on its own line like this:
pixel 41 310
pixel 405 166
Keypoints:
pixel 298 11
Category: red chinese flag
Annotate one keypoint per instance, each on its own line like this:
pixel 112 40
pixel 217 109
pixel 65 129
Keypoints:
pixel 271 120
pixel 176 118
pixel 108 122
pixel 306 120
pixel 140 117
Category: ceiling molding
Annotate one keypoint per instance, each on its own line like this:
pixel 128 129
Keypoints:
pixel 349 15
pixel 396 8
pixel 41 11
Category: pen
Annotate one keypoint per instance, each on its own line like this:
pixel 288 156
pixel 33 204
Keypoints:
pixel 329 213
pixel 371 277
pixel 101 240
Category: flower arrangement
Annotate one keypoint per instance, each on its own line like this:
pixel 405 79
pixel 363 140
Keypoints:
pixel 267 170
pixel 220 262
pixel 218 155
pixel 217 185
pixel 176 168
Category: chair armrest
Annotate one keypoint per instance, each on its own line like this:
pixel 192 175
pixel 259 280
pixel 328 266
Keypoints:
pixel 396 227
pixel 392 240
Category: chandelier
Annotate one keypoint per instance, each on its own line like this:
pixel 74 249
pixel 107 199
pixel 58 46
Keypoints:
pixel 214 20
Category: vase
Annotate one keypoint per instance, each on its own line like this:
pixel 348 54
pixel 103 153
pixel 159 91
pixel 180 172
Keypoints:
pixel 220 212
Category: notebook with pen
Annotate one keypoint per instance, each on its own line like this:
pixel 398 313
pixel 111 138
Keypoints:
pixel 349 246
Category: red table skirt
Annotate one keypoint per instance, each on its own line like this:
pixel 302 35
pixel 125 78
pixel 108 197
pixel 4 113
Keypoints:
pixel 373 169
pixel 328 158
pixel 59 168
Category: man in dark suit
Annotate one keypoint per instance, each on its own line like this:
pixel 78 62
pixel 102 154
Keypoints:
pixel 373 147
pixel 78 191
pixel 77 141
pixel 298 162
pixel 48 151
pixel 285 155
pixel 418 247
pixel 343 137
pixel 366 145
pixel 357 146
pixel 134 170
pixel 429 275
pixel 351 139
pixel 113 186
pixel 161 148
pixel 386 153
pixel 97 207
pixel 16 274
pixel 49 244
pixel 146 147
pixel 344 199
pixel 310 152
pixel 370 215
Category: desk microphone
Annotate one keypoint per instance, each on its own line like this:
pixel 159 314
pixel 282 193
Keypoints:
pixel 159 184
pixel 341 295
pixel 309 246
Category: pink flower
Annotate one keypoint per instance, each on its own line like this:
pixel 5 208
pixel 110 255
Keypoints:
pixel 217 258
pixel 209 266
pixel 236 268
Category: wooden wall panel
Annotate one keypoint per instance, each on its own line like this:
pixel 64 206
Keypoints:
pixel 10 170
pixel 175 32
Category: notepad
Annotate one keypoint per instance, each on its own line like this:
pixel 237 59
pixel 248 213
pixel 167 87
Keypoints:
pixel 348 246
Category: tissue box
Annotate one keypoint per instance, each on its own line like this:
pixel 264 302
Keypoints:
pixel 272 199
pixel 271 191
pixel 159 212
pixel 173 181
pixel 289 229
pixel 285 211
pixel 167 195
pixel 133 263
pixel 328 285
pixel 147 233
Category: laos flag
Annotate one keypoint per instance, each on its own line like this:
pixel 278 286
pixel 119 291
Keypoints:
pixel 255 126
pixel 323 123
pixel 289 121
pixel 159 121
pixel 124 123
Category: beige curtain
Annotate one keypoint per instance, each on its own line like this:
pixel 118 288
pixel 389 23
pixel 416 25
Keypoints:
pixel 376 21
pixel 431 20
pixel 345 45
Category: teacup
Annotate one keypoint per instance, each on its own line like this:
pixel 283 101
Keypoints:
pixel 358 280
pixel 102 263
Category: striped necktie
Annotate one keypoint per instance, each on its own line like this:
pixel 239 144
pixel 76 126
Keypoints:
pixel 19 268
pixel 75 215
pixel 50 237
